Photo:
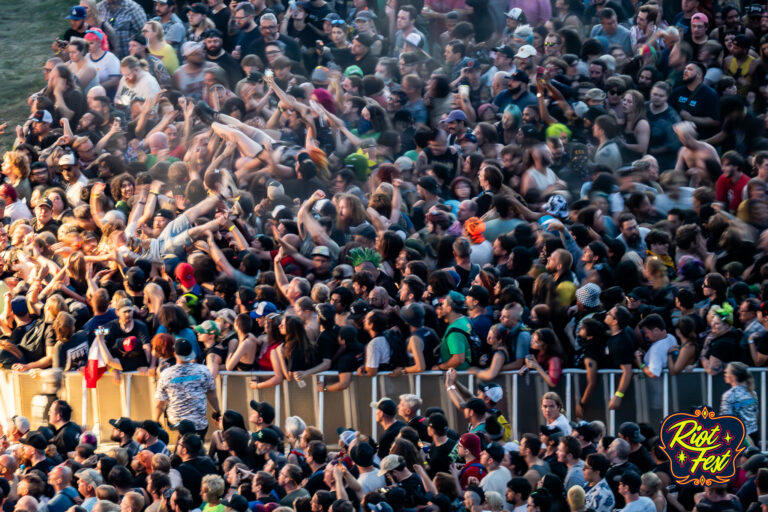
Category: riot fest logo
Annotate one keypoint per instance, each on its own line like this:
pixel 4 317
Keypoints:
pixel 702 447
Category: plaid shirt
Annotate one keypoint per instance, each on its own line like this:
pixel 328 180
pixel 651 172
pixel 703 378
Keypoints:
pixel 126 17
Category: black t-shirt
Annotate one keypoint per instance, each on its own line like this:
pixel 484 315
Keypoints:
pixel 619 349
pixel 414 491
pixel 66 438
pixel 45 465
pixel 440 457
pixel 642 459
pixel 231 66
pixel 73 354
pixel 701 102
pixel 133 359
pixel 388 437
pixel 328 343
pixel 419 424
pixel 30 339
pixel 351 359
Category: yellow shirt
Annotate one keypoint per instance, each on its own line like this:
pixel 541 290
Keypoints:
pixel 168 55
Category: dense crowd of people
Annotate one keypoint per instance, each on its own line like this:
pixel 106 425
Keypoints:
pixel 360 187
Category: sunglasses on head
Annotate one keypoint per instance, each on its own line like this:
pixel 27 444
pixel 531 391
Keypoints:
pixel 337 22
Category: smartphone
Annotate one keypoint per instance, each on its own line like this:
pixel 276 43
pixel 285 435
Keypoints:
pixel 464 90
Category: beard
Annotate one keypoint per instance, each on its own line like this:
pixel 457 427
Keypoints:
pixel 515 90
pixel 212 51
pixel 116 438
pixel 689 80
pixel 634 239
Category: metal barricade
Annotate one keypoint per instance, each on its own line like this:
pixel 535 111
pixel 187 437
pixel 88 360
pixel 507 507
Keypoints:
pixel 646 401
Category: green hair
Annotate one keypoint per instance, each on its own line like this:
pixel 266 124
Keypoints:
pixel 358 256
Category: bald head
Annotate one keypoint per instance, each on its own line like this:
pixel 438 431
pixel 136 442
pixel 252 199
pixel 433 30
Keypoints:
pixel 60 477
pixel 26 504
pixel 95 92
pixel 158 141
pixel 7 466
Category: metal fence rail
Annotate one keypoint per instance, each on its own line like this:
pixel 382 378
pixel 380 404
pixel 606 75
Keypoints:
pixel 130 394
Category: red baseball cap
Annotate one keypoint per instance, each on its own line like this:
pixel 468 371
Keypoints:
pixel 186 275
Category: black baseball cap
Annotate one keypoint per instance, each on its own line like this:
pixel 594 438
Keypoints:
pixel 476 405
pixel 265 410
pixel 236 502
pixel 385 405
pixel 266 435
pixel 34 439
pixel 124 424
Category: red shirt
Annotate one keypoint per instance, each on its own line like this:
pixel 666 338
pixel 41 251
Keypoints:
pixel 730 193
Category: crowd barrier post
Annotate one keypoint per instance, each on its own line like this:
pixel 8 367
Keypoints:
pixel 320 402
pixel 84 404
pixel 762 410
pixel 417 379
pixel 611 412
pixel 224 389
pixel 128 395
pixel 709 389
pixel 374 398
pixel 515 425
pixel 278 403
pixel 568 393
pixel 665 407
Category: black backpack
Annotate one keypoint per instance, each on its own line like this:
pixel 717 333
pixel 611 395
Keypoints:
pixel 398 348
pixel 475 343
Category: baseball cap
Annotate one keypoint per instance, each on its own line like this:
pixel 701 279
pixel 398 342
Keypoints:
pixel 263 308
pixel 151 427
pixel 366 15
pixel 362 454
pixel 472 443
pixel 90 476
pixel 365 39
pixel 266 435
pixel 353 70
pixel 34 439
pixel 385 405
pixel 364 230
pixel 455 115
pixel 164 212
pixel 429 184
pixel 321 250
pixel 198 8
pixel 19 306
pixel 508 51
pixel 476 405
pixel 124 304
pixel 183 349
pixel 516 14
pixel 265 410
pixel 413 39
pixel 76 13
pixel 438 422
pixel 359 308
pixel 190 47
pixel 208 327
pixel 21 423
pixel 586 431
pixel 67 159
pixel 413 314
pixel 185 274
pixel 455 300
pixel 320 74
pixel 135 279
pixel 525 52
pixel 42 116
pixel 700 18
pixel 44 203
pixel 519 76
pixel 390 463
pixel 124 424
pixel 640 293
pixel 493 391
pixel 236 502
pixel 631 431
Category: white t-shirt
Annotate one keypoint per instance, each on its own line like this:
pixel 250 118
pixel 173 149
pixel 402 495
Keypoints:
pixel 496 480
pixel 541 181
pixel 371 481
pixel 145 87
pixel 656 357
pixel 107 66
pixel 377 352
pixel 481 253
pixel 642 504
pixel 563 424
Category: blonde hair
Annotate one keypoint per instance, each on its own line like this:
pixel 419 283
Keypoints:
pixel 157 28
pixel 19 163
pixel 494 501
pixel 576 497
pixel 154 297
pixel 132 62
pixel 652 482
pixel 215 485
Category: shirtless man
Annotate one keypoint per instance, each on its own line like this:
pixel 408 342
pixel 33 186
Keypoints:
pixel 694 153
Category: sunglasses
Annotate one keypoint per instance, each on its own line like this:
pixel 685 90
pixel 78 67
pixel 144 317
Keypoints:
pixel 551 44
pixel 613 91
pixel 337 22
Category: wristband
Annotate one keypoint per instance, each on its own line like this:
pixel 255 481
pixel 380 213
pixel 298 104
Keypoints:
pixel 231 228
pixel 451 388
pixel 642 366
pixel 619 394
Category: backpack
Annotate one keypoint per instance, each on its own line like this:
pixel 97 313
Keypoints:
pixel 475 343
pixel 398 349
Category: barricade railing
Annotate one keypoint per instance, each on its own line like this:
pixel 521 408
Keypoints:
pixel 132 394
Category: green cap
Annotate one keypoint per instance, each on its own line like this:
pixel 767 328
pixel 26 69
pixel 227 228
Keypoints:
pixel 208 327
pixel 354 70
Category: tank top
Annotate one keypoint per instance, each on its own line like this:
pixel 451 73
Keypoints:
pixel 737 71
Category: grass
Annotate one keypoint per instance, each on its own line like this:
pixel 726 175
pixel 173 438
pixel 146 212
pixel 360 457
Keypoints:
pixel 29 28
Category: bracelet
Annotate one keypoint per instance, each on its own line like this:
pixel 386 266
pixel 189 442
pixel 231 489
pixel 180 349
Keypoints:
pixel 451 388
pixel 619 394
pixel 642 366
pixel 325 388
pixel 231 228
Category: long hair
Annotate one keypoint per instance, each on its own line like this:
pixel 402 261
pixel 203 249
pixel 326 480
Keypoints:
pixel 638 104
pixel 117 182
pixel 296 337
pixel 549 338
pixel 742 375
pixel 551 395
pixel 356 215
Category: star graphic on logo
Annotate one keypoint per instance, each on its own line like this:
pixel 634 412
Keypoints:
pixel 728 437
pixel 681 458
